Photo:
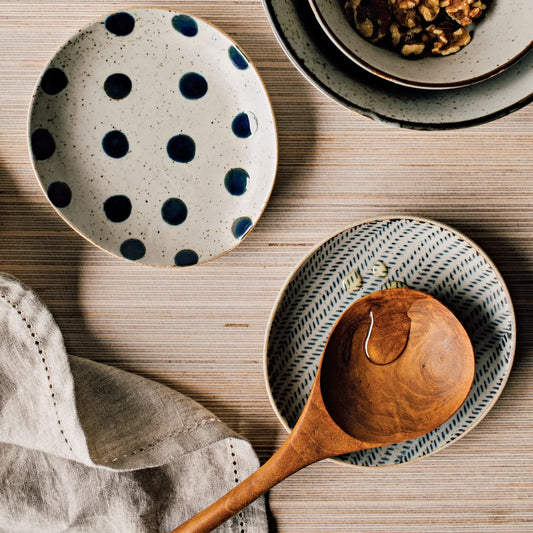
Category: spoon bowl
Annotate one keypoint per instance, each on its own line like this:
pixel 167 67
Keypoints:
pixel 397 364
pixel 395 367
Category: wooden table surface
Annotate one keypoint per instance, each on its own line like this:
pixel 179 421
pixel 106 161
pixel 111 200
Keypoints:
pixel 201 330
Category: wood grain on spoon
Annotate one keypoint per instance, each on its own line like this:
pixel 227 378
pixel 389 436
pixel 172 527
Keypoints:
pixel 412 378
pixel 396 365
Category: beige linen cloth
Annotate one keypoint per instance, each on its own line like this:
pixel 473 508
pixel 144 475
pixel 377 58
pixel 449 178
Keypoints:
pixel 86 447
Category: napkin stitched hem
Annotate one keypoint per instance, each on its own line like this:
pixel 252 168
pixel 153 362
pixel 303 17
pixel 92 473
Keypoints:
pixel 177 433
pixel 37 342
pixel 88 447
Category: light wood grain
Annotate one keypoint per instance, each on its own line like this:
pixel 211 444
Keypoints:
pixel 335 167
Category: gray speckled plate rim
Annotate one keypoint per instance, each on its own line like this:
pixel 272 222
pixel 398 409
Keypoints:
pixel 374 115
pixel 306 258
pixel 87 237
pixel 402 81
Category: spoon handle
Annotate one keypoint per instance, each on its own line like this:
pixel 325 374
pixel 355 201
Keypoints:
pixel 314 437
pixel 282 464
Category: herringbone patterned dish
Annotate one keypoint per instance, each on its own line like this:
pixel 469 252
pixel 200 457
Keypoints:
pixel 421 254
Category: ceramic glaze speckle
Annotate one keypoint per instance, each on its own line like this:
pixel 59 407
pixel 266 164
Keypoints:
pixel 320 61
pixel 152 135
pixel 429 257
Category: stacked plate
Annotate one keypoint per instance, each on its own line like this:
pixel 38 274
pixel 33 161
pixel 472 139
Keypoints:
pixel 487 79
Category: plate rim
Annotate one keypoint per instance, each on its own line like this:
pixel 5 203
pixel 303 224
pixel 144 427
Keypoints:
pixel 383 218
pixel 36 174
pixel 375 115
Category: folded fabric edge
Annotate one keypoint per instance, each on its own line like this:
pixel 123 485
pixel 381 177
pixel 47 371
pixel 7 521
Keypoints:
pixel 83 409
pixel 106 417
pixel 36 412
pixel 176 426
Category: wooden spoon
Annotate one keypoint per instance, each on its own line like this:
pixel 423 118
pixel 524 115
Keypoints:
pixel 397 364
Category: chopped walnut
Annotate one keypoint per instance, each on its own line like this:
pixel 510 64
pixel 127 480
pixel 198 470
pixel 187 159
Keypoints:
pixel 410 41
pixel 416 26
pixel 410 13
pixel 448 38
pixel 463 11
pixel 403 15
pixel 396 34
pixel 429 9
pixel 371 17
pixel 413 48
pixel 406 4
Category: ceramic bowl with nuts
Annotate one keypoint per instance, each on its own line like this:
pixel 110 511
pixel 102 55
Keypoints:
pixel 431 44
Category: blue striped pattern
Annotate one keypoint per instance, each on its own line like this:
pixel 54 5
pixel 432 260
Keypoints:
pixel 426 257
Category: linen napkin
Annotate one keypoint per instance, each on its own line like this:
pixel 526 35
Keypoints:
pixel 87 447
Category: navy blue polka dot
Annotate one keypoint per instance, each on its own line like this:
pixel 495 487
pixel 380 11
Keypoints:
pixel 133 249
pixel 193 86
pixel 241 126
pixel 117 208
pixel 236 181
pixel 186 258
pixel 59 194
pixel 237 58
pixel 241 227
pixel 115 144
pixel 120 24
pixel 174 211
pixel 117 86
pixel 181 148
pixel 42 144
pixel 185 25
pixel 54 80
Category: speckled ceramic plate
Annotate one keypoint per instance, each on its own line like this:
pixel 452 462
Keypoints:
pixel 500 37
pixel 321 62
pixel 152 135
pixel 384 253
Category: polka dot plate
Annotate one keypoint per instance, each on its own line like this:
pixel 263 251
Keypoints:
pixel 152 135
pixel 388 253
